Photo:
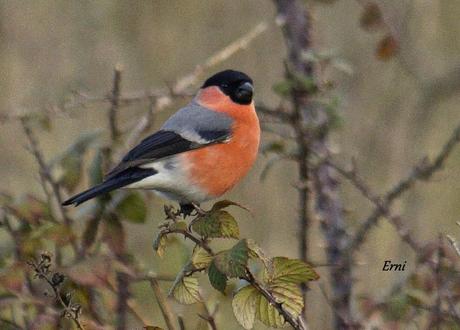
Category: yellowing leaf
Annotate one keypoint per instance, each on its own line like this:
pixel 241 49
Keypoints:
pixel 186 290
pixel 244 306
pixel 285 270
pixel 233 262
pixel 267 313
pixel 216 278
pixel 133 208
pixel 290 295
pixel 201 258
pixel 159 245
pixel 216 223
pixel 226 203
pixel 387 48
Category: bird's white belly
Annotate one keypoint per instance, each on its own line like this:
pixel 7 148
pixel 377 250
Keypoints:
pixel 171 181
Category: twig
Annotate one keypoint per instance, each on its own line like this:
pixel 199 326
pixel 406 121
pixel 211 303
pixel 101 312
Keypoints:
pixel 114 104
pixel 164 304
pixel 249 277
pixel 46 175
pixel 381 206
pixel 41 269
pixel 454 242
pixel 209 317
pixel 421 172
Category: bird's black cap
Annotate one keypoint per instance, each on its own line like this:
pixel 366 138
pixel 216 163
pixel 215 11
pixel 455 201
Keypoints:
pixel 227 77
pixel 235 84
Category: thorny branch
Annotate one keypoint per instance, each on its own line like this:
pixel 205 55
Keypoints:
pixel 114 104
pixel 249 277
pixel 46 176
pixel 421 172
pixel 42 271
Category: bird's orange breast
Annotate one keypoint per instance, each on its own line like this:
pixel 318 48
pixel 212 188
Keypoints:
pixel 217 168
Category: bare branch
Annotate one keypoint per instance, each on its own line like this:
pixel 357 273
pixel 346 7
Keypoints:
pixel 45 173
pixel 421 172
pixel 165 307
pixel 114 104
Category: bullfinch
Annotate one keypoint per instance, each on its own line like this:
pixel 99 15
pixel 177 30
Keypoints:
pixel 199 153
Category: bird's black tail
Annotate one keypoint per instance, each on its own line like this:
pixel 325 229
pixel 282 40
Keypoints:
pixel 122 179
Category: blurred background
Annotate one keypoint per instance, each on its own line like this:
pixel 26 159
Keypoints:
pixel 395 109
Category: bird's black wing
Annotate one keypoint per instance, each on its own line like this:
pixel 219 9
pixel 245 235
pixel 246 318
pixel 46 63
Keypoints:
pixel 163 144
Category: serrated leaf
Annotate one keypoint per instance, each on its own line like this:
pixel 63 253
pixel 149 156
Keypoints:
pixel 244 306
pixel 233 262
pixel 216 278
pixel 186 290
pixel 201 258
pixel 217 223
pixel 226 203
pixel 267 313
pixel 288 295
pixel 133 208
pixel 285 270
pixel 159 244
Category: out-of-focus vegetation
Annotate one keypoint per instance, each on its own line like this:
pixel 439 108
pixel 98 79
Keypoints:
pixel 389 77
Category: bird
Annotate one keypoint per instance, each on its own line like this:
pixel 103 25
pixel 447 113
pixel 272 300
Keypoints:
pixel 201 152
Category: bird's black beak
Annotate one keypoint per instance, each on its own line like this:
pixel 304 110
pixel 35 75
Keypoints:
pixel 244 93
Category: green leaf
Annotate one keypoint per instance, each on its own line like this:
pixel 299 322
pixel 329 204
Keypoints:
pixel 133 208
pixel 186 290
pixel 233 262
pixel 244 306
pixel 217 223
pixel 216 278
pixel 283 88
pixel 285 270
pixel 201 258
pixel 95 170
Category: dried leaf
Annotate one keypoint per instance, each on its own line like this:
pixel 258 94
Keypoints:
pixel 387 48
pixel 371 17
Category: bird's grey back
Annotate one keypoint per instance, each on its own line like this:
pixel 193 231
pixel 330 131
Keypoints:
pixel 195 122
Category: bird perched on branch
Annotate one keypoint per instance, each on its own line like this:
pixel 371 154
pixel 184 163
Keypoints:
pixel 199 153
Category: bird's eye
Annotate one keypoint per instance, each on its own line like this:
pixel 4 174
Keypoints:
pixel 225 86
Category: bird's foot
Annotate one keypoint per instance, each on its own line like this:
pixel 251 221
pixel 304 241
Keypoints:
pixel 186 209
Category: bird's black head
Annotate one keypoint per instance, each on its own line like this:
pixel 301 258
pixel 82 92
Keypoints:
pixel 235 84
